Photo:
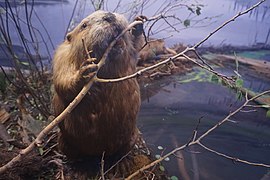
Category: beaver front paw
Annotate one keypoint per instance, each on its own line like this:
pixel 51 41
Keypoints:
pixel 138 29
pixel 88 69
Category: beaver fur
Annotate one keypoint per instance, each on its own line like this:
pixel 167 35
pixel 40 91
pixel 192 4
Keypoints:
pixel 105 120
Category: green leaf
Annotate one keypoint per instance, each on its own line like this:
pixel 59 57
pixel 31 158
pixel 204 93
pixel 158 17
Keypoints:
pixel 214 78
pixel 25 63
pixel 174 178
pixel 268 114
pixel 162 168
pixel 187 23
pixel 198 11
pixel 41 151
pixel 160 147
pixel 239 82
pixel 239 95
pixel 157 156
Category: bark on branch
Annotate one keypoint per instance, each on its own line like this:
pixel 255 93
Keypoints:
pixel 79 97
pixel 71 106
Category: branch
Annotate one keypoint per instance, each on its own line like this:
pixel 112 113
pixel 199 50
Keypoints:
pixel 233 158
pixel 138 73
pixel 193 48
pixel 71 106
pixel 102 166
pixel 197 141
pixel 108 170
pixel 227 118
pixel 105 55
pixel 227 22
pixel 47 129
pixel 85 89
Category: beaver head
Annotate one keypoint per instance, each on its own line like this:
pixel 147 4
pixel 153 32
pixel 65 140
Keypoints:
pixel 98 30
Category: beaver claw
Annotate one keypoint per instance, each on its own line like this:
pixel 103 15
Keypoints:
pixel 88 69
pixel 138 29
pixel 141 18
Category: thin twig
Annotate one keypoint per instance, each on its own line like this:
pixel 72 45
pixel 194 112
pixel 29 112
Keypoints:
pixel 102 166
pixel 105 55
pixel 47 129
pixel 121 159
pixel 203 61
pixel 193 49
pixel 259 106
pixel 157 161
pixel 68 110
pixel 85 89
pixel 231 114
pixel 86 50
pixel 197 141
pixel 233 158
pixel 227 22
pixel 138 73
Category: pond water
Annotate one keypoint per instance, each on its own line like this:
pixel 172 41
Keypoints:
pixel 170 112
pixel 171 109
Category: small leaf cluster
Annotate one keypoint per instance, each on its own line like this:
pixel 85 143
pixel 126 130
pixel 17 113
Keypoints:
pixel 194 9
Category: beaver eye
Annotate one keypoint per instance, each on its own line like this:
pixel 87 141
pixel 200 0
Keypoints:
pixel 84 25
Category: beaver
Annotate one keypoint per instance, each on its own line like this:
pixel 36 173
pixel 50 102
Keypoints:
pixel 105 120
pixel 152 49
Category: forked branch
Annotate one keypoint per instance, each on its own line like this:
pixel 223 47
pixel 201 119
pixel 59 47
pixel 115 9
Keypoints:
pixel 71 106
pixel 79 97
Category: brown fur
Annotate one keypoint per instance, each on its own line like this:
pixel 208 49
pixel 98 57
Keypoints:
pixel 153 48
pixel 105 120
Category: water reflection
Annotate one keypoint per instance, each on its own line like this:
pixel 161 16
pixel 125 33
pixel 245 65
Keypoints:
pixel 171 114
pixel 171 110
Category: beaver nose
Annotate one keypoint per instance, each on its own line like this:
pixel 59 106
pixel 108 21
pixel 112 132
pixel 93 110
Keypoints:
pixel 109 17
pixel 68 37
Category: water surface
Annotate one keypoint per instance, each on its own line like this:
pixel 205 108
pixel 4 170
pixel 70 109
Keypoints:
pixel 171 111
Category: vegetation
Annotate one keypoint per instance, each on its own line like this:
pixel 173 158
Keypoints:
pixel 26 87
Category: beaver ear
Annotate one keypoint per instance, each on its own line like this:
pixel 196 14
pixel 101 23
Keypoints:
pixel 138 29
pixel 68 37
